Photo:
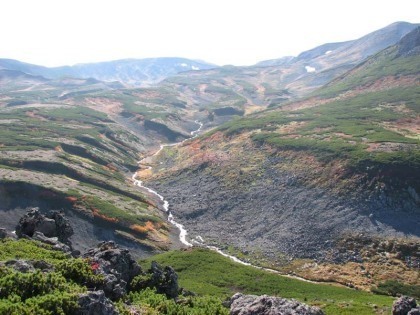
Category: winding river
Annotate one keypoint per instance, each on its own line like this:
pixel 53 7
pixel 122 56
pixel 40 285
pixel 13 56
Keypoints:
pixel 182 231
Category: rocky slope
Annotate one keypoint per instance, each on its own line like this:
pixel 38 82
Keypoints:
pixel 295 181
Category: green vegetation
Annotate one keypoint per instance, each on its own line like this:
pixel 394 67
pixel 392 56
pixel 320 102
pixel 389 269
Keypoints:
pixel 26 249
pixel 37 292
pixel 395 288
pixel 385 63
pixel 342 129
pixel 208 273
pixel 154 303
pixel 57 291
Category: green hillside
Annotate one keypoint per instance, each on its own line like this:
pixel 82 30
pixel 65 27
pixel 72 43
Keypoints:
pixel 208 273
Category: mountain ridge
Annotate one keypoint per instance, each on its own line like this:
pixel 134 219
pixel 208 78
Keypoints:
pixel 139 72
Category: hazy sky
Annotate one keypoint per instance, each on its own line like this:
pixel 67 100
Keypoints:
pixel 58 32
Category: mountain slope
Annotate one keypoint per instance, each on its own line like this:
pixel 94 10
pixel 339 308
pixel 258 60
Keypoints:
pixel 136 72
pixel 303 179
pixel 271 83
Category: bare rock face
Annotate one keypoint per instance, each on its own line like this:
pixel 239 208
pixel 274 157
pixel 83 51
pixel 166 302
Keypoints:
pixel 116 265
pixel 95 303
pixel 405 305
pixel 268 305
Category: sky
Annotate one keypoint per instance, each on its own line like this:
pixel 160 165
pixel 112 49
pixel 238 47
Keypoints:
pixel 66 32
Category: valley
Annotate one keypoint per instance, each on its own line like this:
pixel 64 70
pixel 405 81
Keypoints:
pixel 307 166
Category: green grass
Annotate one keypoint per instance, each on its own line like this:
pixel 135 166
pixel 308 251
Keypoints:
pixel 385 63
pixel 208 273
pixel 26 249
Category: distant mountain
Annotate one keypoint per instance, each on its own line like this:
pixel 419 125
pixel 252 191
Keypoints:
pixel 276 62
pixel 139 72
pixel 335 54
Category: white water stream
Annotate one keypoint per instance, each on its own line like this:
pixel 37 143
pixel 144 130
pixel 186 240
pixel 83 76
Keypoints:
pixel 182 231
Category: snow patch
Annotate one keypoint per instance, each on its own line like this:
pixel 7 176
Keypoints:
pixel 310 69
pixel 195 68
pixel 328 52
pixel 183 65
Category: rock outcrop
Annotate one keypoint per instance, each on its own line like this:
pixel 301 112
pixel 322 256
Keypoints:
pixel 55 224
pixel 95 303
pixel 53 229
pixel 4 233
pixel 268 305
pixel 405 305
pixel 165 280
pixel 116 265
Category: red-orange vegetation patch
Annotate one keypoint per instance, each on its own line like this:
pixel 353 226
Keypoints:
pixel 34 114
pixel 71 199
pixel 149 226
pixel 111 167
pixel 213 157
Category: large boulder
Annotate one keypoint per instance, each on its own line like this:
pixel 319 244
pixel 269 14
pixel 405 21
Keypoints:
pixel 95 303
pixel 268 305
pixel 53 225
pixel 404 305
pixel 116 265
pixel 165 280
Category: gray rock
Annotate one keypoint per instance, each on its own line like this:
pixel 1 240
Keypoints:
pixel 414 311
pixel 53 225
pixel 20 265
pixel 63 229
pixel 116 265
pixel 268 305
pixel 165 280
pixel 47 227
pixel 56 244
pixel 403 305
pixel 7 234
pixel 95 303
pixel 25 266
pixel 3 233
